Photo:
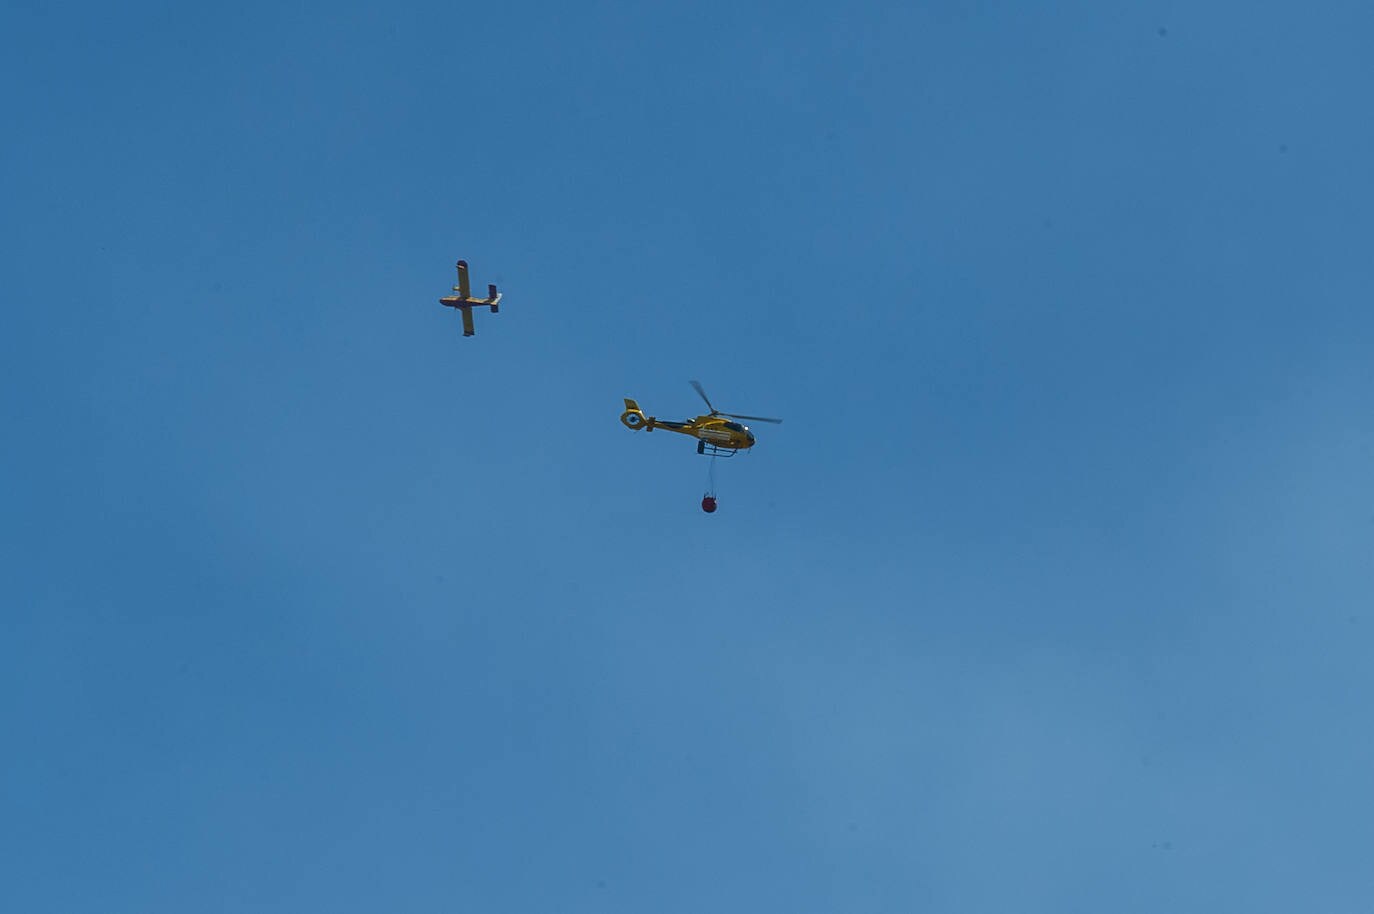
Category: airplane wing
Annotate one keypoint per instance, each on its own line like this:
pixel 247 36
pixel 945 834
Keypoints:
pixel 464 290
pixel 468 329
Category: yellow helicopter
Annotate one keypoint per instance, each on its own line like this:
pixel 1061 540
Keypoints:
pixel 716 435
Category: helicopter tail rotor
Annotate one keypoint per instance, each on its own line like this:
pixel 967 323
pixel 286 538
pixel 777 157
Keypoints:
pixel 634 418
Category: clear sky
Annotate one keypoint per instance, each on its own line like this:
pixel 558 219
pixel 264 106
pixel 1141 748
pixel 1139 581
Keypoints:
pixel 1052 593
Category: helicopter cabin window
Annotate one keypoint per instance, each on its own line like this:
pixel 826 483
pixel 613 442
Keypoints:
pixel 734 426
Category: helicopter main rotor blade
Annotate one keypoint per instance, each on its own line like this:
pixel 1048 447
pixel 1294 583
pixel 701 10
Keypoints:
pixel 753 418
pixel 696 385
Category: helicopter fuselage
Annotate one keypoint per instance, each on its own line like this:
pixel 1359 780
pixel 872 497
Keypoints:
pixel 714 431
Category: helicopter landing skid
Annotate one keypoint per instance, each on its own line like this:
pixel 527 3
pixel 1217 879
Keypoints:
pixel 711 450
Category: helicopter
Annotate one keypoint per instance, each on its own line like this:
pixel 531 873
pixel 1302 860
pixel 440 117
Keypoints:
pixel 716 435
pixel 464 301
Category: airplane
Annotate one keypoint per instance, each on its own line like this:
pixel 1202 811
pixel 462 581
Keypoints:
pixel 716 435
pixel 464 301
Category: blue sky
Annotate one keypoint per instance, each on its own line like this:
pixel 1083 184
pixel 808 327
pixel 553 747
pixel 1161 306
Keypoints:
pixel 1051 594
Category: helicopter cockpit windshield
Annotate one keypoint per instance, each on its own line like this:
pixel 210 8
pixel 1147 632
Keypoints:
pixel 735 427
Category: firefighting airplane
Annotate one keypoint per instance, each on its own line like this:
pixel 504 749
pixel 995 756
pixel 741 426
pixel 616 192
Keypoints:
pixel 464 301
